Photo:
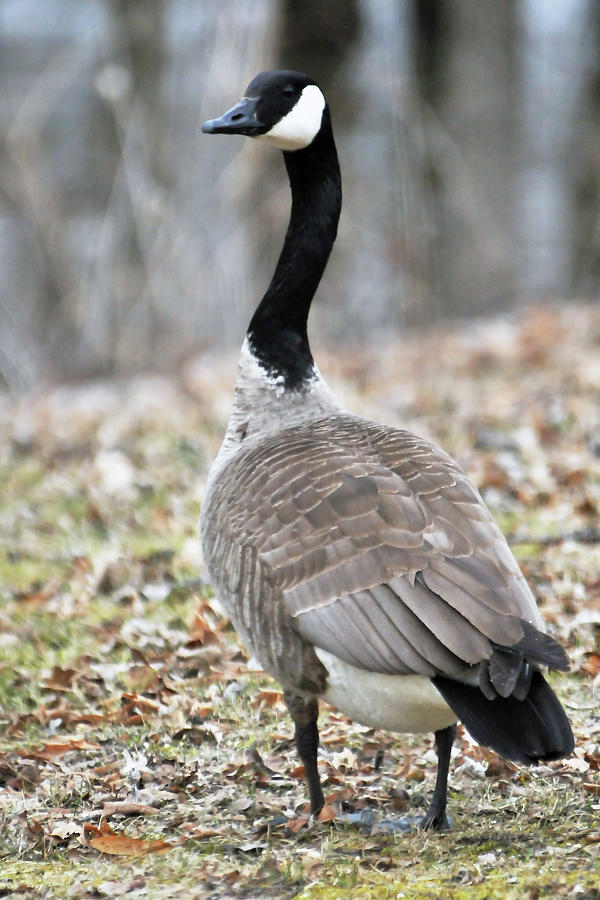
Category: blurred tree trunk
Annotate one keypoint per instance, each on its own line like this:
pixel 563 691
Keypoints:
pixel 132 88
pixel 318 40
pixel 465 65
pixel 585 171
pixel 141 49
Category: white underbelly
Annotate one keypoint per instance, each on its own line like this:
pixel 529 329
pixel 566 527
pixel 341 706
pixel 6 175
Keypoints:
pixel 407 703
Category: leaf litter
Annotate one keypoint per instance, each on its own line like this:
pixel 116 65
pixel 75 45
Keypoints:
pixel 124 693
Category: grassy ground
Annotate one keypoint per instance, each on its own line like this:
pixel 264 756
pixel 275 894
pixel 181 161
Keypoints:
pixel 140 754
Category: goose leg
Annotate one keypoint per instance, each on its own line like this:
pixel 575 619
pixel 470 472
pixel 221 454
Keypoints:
pixel 304 711
pixel 435 816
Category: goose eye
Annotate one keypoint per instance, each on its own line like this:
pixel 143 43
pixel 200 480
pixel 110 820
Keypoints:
pixel 288 90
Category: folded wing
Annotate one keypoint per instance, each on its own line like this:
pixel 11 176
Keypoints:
pixel 380 551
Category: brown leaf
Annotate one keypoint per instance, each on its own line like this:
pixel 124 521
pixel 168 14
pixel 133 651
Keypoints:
pixel 142 678
pixel 591 787
pixel 201 833
pixel 114 766
pixel 195 735
pixel 62 828
pixel 142 703
pixel 268 698
pixel 105 840
pixel 127 808
pixel 202 628
pixel 60 679
pixel 492 475
pixel 592 758
pixel 339 797
pixel 327 814
pixel 257 762
pixel 295 825
pixel 399 798
pixel 37 595
pixel 498 767
pixel 134 708
pixel 592 665
pixel 58 747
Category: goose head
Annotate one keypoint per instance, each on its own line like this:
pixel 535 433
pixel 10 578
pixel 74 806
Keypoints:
pixel 283 108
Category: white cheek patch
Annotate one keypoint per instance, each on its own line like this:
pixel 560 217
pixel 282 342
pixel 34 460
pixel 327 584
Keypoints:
pixel 301 125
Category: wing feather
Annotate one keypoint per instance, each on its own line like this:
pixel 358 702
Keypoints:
pixel 377 549
pixel 450 628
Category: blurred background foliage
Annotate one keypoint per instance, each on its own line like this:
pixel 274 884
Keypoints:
pixel 468 132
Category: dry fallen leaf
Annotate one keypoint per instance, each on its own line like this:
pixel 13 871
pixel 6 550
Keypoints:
pixel 327 814
pixel 592 665
pixel 140 678
pixel 60 679
pixel 61 828
pixel 498 767
pixel 591 787
pixel 268 698
pixel 251 847
pixel 105 840
pixel 200 833
pixel 36 595
pixel 58 747
pixel 295 825
pixel 203 627
pixel 119 888
pixel 128 808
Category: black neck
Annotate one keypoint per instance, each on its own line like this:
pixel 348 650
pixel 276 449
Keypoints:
pixel 277 332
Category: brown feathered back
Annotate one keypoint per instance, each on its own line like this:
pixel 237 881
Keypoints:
pixel 367 542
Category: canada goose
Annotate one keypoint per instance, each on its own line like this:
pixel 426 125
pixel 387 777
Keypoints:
pixel 356 561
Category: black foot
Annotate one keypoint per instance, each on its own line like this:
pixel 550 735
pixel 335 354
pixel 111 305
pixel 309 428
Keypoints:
pixel 433 822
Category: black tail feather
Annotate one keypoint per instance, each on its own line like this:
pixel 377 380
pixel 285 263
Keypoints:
pixel 525 731
pixel 538 647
